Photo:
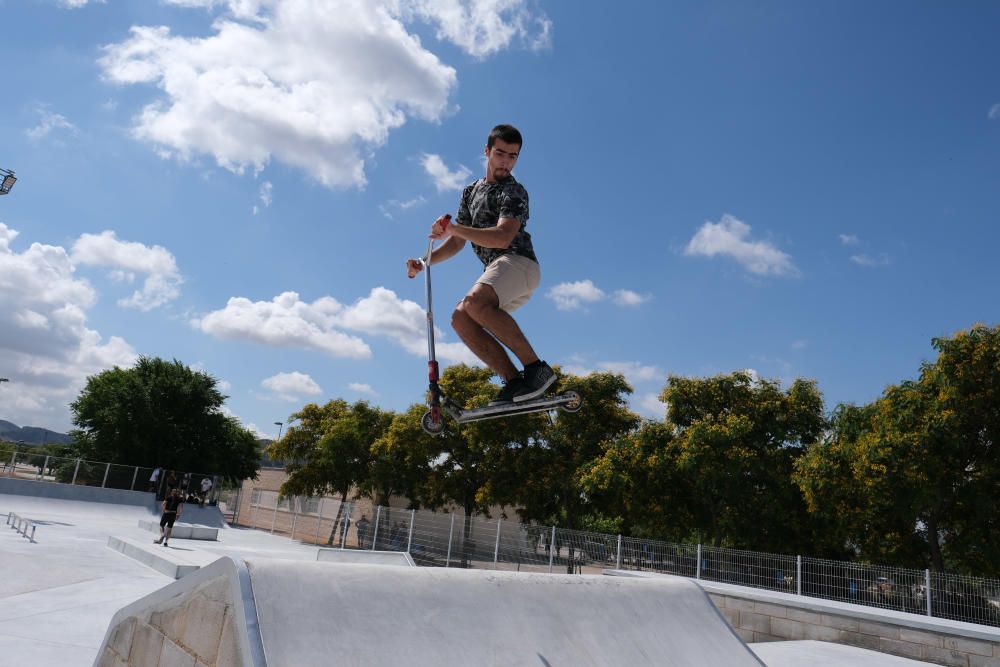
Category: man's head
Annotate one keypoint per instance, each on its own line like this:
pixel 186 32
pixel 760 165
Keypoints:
pixel 174 492
pixel 502 149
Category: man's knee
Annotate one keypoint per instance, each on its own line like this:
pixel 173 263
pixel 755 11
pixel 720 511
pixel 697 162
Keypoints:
pixel 477 306
pixel 460 318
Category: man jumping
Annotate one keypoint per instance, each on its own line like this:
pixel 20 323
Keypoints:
pixel 492 215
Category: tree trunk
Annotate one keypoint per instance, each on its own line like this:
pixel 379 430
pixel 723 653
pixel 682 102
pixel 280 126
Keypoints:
pixel 335 530
pixel 933 541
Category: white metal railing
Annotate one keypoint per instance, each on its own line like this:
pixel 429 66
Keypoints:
pixel 40 467
pixel 440 539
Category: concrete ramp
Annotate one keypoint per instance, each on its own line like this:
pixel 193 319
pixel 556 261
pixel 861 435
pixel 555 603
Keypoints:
pixel 292 613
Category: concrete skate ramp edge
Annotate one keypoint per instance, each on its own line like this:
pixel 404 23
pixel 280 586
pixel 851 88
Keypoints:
pixel 400 558
pixel 209 613
pixel 278 613
pixel 381 615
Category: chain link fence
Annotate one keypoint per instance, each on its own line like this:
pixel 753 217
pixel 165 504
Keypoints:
pixel 442 539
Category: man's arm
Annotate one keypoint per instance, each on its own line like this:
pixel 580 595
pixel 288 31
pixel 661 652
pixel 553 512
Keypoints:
pixel 488 237
pixel 445 251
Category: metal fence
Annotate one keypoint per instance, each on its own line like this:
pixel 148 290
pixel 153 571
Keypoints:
pixel 37 466
pixel 441 539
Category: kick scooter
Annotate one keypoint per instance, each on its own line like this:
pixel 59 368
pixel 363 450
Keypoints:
pixel 433 420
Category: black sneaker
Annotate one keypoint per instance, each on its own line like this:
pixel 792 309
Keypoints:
pixel 510 387
pixel 537 378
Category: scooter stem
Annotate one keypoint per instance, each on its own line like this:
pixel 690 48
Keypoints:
pixel 432 365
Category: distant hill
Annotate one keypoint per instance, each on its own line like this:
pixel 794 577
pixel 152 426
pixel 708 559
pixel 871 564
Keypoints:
pixel 31 435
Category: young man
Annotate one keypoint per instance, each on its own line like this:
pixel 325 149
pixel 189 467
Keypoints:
pixel 492 215
pixel 173 507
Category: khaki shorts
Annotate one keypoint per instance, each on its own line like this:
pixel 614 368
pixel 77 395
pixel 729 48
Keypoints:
pixel 513 278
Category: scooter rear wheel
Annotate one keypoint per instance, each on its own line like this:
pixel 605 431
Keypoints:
pixel 575 401
pixel 431 425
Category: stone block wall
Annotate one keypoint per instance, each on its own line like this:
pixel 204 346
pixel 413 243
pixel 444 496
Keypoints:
pixel 197 631
pixel 762 621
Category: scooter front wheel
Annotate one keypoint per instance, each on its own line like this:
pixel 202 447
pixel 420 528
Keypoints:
pixel 432 425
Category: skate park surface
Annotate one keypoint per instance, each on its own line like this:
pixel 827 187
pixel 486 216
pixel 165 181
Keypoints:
pixel 62 596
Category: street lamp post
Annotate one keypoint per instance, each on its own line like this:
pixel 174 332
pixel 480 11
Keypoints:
pixel 7 180
pixel 279 425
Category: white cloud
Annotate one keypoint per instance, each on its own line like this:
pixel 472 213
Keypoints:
pixel 731 237
pixel 287 321
pixel 649 405
pixel 849 239
pixel 49 122
pixel 126 259
pixel 46 348
pixel 869 261
pixel 572 296
pixel 444 178
pixel 625 297
pixel 315 85
pixel 799 344
pixel 76 4
pixel 362 388
pixel 483 27
pixel 396 205
pixel 403 321
pixel 291 386
pixel 266 190
pixel 633 371
pixel 994 112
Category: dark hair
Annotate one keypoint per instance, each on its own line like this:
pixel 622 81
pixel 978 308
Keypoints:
pixel 508 133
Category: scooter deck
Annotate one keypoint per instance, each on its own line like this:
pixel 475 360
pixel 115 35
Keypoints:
pixel 541 404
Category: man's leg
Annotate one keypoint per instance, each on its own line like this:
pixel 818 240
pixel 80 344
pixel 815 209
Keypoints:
pixel 481 323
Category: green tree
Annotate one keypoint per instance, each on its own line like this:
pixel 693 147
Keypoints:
pixel 161 413
pixel 548 471
pixel 329 451
pixel 638 478
pixel 914 476
pixel 738 439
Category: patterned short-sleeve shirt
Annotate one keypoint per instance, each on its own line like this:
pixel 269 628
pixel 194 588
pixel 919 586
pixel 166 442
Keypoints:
pixel 482 206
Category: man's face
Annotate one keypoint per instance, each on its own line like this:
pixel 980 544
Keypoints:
pixel 501 160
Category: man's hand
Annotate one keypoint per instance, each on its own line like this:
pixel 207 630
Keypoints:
pixel 441 229
pixel 413 267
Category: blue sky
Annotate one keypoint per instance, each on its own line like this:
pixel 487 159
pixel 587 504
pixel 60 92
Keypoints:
pixel 802 189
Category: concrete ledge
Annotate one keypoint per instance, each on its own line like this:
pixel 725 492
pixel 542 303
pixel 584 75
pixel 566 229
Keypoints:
pixel 164 560
pixel 94 494
pixel 183 531
pixel 366 556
